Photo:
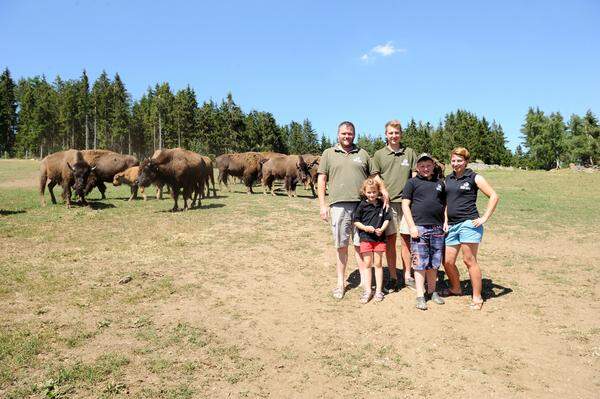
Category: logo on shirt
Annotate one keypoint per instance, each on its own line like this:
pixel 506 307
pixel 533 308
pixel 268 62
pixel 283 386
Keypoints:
pixel 438 187
pixel 404 162
pixel 465 186
pixel 357 160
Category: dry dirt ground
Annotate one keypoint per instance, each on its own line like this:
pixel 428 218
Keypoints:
pixel 233 300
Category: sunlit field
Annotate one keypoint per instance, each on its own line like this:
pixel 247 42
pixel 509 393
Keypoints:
pixel 233 299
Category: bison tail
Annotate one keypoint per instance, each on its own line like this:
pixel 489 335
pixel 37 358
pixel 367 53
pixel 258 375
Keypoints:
pixel 43 180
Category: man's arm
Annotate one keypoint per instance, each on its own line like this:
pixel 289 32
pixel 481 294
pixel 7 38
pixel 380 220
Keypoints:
pixel 384 191
pixel 324 209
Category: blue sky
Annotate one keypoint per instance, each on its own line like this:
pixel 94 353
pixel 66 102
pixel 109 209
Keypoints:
pixel 326 60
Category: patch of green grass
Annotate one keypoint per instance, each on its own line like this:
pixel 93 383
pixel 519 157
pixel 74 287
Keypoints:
pixel 18 349
pixel 79 375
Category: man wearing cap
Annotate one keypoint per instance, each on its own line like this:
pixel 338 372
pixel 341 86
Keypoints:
pixel 395 164
pixel 345 167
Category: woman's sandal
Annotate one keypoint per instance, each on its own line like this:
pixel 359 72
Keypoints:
pixel 475 305
pixel 378 297
pixel 366 297
pixel 338 292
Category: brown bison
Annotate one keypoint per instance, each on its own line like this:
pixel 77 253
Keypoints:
pixel 290 168
pixel 67 168
pixel 210 175
pixel 130 177
pixel 177 168
pixel 313 165
pixel 246 165
pixel 107 164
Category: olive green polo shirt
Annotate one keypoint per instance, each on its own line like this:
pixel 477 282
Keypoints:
pixel 346 171
pixel 395 168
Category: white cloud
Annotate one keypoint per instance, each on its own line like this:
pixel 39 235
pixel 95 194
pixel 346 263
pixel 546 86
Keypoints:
pixel 384 50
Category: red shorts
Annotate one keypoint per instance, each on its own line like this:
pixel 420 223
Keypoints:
pixel 369 246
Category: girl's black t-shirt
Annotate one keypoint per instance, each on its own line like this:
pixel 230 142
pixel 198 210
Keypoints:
pixel 461 195
pixel 371 215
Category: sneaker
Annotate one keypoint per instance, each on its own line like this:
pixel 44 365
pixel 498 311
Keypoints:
pixel 391 286
pixel 366 297
pixel 378 296
pixel 435 297
pixel 410 283
pixel 421 303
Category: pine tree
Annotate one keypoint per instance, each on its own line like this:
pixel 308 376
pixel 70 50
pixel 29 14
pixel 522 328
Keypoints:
pixel 101 103
pixel 67 111
pixel 310 142
pixel 8 114
pixel 325 143
pixel 38 130
pixel 119 116
pixel 591 129
pixel 83 108
pixel 184 116
pixel 295 137
pixel 233 124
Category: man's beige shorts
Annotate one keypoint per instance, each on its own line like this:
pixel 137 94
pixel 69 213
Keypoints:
pixel 397 220
pixel 342 224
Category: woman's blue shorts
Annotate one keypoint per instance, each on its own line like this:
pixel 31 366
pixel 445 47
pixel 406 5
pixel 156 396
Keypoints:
pixel 464 233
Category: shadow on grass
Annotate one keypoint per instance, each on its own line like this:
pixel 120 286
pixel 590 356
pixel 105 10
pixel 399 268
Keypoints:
pixel 197 208
pixel 4 212
pixel 96 204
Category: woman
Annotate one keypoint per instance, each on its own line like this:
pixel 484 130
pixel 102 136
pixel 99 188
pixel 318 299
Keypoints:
pixel 463 223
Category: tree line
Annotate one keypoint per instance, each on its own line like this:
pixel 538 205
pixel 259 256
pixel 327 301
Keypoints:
pixel 38 117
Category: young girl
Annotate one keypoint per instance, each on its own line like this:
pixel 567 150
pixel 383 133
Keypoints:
pixel 371 220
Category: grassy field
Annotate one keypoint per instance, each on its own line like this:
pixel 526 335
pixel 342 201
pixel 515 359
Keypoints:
pixel 233 300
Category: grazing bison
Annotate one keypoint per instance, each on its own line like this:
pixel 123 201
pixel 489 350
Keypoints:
pixel 107 164
pixel 222 164
pixel 291 168
pixel 313 166
pixel 177 168
pixel 210 175
pixel 130 177
pixel 246 165
pixel 67 168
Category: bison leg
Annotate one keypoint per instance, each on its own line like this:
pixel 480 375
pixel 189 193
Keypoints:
pixel 175 195
pixel 142 190
pixel 51 191
pixel 102 189
pixel 133 190
pixel 66 194
pixel 212 180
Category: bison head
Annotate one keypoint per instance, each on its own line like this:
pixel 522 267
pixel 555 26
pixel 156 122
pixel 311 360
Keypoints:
pixel 148 173
pixel 303 170
pixel 83 176
pixel 118 179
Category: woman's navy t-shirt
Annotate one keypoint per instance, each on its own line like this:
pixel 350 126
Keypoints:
pixel 461 196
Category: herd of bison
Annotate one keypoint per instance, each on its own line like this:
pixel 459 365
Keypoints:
pixel 181 171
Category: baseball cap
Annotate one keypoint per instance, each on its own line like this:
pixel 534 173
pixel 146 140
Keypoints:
pixel 424 156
